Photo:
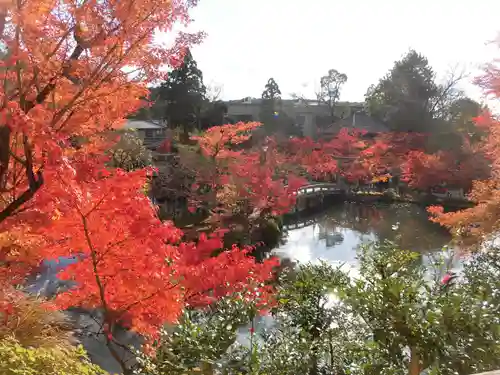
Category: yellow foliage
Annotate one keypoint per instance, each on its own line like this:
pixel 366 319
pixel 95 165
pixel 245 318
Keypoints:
pixel 16 359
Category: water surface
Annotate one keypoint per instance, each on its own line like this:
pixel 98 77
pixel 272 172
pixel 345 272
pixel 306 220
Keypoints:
pixel 334 234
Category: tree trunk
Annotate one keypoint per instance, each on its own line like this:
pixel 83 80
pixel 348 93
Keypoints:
pixel 414 368
pixel 4 154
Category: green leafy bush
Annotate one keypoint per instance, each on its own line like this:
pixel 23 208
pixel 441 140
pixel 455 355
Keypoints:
pixel 395 317
pixel 200 340
pixel 18 360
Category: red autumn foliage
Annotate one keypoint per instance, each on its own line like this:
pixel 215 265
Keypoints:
pixel 219 142
pixel 389 150
pixel 480 223
pixel 423 171
pixel 458 169
pixel 256 177
pixel 130 263
pixel 75 71
pixel 320 159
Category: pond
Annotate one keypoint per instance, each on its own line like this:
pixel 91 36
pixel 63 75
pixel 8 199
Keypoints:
pixel 334 234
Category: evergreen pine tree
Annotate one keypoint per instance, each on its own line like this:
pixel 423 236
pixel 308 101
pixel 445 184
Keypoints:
pixel 183 94
pixel 270 107
pixel 405 98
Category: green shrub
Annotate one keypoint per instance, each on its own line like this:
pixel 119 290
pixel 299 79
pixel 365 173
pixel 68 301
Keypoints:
pixel 394 318
pixel 201 339
pixel 18 360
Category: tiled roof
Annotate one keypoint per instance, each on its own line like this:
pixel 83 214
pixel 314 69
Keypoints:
pixel 363 122
pixel 139 124
pixel 285 102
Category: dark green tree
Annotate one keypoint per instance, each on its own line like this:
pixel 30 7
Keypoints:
pixel 154 108
pixel 462 113
pixel 214 113
pixel 456 124
pixel 274 119
pixel 406 98
pixel 183 94
pixel 270 106
pixel 272 91
pixel 409 99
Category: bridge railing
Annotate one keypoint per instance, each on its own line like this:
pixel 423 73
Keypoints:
pixel 316 188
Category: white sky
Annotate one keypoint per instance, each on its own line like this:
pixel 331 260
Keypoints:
pixel 297 41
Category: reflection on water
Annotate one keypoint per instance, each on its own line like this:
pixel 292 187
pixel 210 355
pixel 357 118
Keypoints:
pixel 334 235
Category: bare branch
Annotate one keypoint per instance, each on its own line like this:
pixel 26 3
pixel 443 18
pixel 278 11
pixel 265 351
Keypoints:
pixel 448 91
pixel 214 91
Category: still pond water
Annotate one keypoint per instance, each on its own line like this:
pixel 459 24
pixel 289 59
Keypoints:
pixel 334 235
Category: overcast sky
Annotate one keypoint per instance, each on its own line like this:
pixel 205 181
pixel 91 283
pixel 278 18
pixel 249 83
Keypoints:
pixel 297 41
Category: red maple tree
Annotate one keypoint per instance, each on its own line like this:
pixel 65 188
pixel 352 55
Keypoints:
pixel 454 169
pixel 322 160
pixel 73 71
pixel 255 176
pixel 480 223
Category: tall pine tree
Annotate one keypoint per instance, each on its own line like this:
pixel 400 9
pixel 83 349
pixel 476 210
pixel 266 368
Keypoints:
pixel 183 94
pixel 270 107
pixel 404 99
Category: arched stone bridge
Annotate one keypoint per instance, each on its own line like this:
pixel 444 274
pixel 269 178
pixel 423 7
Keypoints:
pixel 318 188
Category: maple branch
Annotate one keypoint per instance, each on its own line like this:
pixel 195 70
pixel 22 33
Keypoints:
pixel 101 67
pixel 3 16
pixel 35 182
pixel 96 206
pixel 66 71
pixel 124 347
pixel 29 165
pixel 58 115
pixel 109 341
pixel 23 198
pixel 102 295
pixel 110 247
pixel 93 256
pixel 34 80
pixel 127 308
pixel 114 354
pixel 17 158
pixel 5 134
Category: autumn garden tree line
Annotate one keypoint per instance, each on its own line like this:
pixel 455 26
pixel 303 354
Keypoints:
pixel 432 138
pixel 72 72
pixel 438 149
